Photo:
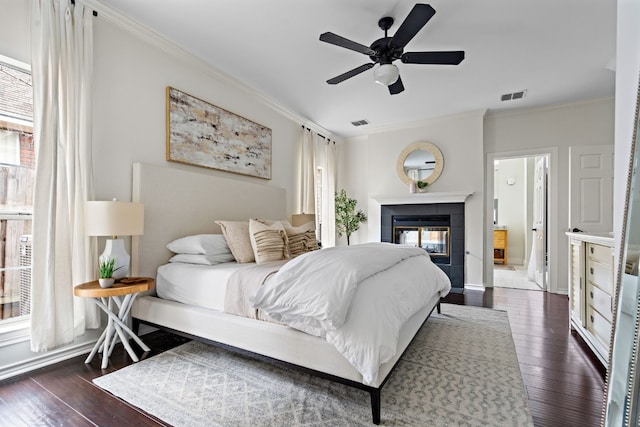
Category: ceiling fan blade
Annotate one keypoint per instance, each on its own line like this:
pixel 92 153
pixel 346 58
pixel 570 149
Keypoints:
pixel 349 74
pixel 346 43
pixel 453 57
pixel 415 20
pixel 396 87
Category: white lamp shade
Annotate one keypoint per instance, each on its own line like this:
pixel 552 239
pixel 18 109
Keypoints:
pixel 386 74
pixel 114 218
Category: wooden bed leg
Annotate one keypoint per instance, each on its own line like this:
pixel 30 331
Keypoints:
pixel 375 405
pixel 438 308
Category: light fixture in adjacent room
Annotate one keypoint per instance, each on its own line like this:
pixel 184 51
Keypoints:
pixel 115 219
pixel 386 74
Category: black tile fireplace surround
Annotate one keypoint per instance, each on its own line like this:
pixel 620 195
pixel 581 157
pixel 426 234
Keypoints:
pixel 453 266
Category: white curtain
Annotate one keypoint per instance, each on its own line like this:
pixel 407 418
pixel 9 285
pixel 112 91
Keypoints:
pixel 61 44
pixel 307 197
pixel 328 237
pixel 318 154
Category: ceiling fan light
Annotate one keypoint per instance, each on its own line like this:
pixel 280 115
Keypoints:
pixel 386 74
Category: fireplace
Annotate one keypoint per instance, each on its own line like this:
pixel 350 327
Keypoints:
pixel 438 228
pixel 429 232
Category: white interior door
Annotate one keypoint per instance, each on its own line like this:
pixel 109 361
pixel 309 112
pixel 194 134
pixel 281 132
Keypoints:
pixel 591 188
pixel 540 220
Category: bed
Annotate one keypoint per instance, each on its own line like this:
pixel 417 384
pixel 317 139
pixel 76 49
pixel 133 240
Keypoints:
pixel 193 207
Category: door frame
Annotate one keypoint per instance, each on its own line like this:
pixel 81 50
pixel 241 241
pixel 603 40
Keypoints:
pixel 553 241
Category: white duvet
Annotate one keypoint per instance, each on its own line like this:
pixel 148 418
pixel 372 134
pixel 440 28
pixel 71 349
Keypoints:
pixel 358 297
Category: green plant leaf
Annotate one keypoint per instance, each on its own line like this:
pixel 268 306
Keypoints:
pixel 348 220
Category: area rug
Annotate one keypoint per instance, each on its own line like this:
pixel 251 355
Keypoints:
pixel 461 370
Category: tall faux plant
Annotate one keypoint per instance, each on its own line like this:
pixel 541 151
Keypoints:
pixel 347 219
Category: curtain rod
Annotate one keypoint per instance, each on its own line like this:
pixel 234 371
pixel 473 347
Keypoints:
pixel 95 12
pixel 321 136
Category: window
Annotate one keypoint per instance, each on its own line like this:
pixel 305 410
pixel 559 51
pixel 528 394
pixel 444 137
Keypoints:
pixel 17 177
pixel 9 147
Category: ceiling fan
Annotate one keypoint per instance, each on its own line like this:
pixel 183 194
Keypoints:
pixel 387 49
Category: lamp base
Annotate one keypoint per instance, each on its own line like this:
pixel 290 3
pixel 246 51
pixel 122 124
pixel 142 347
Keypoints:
pixel 114 249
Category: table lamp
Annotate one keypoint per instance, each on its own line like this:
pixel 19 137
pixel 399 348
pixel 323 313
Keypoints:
pixel 115 219
pixel 302 219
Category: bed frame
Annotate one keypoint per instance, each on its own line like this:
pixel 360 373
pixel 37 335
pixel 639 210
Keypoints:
pixel 180 203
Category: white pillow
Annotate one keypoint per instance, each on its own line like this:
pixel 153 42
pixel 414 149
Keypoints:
pixel 202 259
pixel 269 242
pixel 200 244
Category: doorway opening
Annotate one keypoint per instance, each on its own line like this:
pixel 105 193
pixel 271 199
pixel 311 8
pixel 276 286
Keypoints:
pixel 521 222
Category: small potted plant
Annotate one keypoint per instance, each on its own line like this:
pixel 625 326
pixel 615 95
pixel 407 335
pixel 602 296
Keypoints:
pixel 422 185
pixel 105 272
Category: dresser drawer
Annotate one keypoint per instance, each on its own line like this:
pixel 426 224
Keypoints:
pixel 499 239
pixel 599 253
pixel 601 302
pixel 600 275
pixel 599 326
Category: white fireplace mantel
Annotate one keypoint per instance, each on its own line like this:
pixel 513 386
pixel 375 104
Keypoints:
pixel 423 198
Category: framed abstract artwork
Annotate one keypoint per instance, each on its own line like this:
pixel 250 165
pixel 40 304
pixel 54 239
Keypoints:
pixel 202 134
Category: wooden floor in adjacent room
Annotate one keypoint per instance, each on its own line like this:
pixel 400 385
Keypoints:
pixel 564 384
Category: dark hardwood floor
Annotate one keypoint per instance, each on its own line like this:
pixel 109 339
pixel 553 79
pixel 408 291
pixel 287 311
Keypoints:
pixel 564 384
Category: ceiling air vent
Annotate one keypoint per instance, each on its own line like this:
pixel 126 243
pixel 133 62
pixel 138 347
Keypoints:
pixel 514 95
pixel 360 122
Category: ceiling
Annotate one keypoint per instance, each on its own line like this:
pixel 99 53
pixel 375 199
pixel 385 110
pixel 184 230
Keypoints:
pixel 557 51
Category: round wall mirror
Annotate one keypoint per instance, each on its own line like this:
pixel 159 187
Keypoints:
pixel 420 161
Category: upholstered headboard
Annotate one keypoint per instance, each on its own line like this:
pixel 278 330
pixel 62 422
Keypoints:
pixel 180 203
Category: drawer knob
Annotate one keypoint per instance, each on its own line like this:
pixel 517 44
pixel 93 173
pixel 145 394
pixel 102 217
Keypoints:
pixel 591 293
pixel 591 270
pixel 591 250
pixel 591 319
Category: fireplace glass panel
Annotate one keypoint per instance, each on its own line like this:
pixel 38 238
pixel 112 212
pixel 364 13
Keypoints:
pixel 434 240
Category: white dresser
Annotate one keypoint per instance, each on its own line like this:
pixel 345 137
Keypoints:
pixel 591 290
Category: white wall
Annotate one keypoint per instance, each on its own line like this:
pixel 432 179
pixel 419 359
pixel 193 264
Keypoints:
pixel 131 72
pixel 15 30
pixel 554 128
pixel 367 168
pixel 512 206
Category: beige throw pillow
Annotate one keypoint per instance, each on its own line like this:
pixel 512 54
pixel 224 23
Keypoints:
pixel 301 239
pixel 236 233
pixel 269 242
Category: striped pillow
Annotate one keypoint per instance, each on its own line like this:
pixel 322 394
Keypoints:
pixel 269 242
pixel 301 239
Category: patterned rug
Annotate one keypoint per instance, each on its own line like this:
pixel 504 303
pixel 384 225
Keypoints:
pixel 461 370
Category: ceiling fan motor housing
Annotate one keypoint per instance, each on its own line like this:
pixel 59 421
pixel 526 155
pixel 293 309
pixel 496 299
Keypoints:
pixel 385 52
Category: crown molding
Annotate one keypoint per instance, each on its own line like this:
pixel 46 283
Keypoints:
pixel 528 110
pixel 422 122
pixel 154 39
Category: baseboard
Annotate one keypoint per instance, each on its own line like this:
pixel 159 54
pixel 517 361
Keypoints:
pixel 24 360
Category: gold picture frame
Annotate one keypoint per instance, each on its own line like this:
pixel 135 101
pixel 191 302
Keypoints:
pixel 202 134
